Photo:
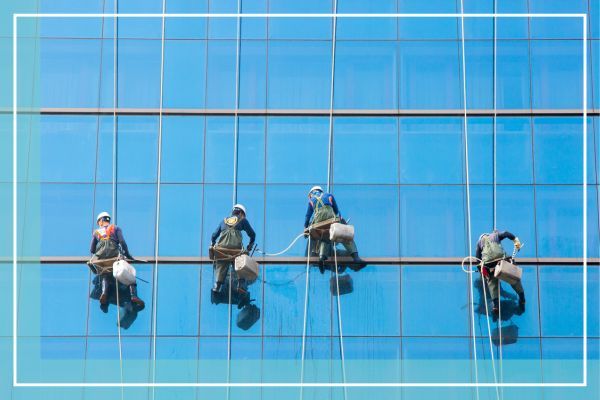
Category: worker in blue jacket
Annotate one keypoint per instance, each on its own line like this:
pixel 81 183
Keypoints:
pixel 321 207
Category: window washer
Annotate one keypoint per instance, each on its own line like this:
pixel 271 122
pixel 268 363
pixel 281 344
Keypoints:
pixel 108 243
pixel 228 235
pixel 490 252
pixel 322 207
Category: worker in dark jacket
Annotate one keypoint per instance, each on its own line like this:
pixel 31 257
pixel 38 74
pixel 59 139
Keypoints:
pixel 228 235
pixel 108 243
pixel 321 207
pixel 490 252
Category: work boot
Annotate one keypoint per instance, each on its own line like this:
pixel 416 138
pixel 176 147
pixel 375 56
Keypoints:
pixel 522 302
pixel 138 304
pixel 359 263
pixel 243 298
pixel 496 308
pixel 217 287
pixel 322 260
pixel 104 296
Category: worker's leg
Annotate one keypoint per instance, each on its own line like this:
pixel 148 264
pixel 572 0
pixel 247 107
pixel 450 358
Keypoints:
pixel 518 287
pixel 494 288
pixel 105 292
pixel 221 268
pixel 135 300
pixel 353 250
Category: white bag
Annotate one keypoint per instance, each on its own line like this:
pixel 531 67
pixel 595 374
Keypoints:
pixel 124 272
pixel 246 268
pixel 508 272
pixel 341 233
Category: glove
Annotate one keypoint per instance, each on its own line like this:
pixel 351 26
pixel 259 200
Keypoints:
pixel 343 221
pixel 249 248
pixel 306 232
pixel 517 243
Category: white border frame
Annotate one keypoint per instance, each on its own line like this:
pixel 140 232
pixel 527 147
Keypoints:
pixel 329 15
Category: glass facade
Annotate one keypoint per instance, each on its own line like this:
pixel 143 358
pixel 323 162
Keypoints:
pixel 370 108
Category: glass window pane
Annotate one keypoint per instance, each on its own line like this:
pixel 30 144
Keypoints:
pixel 218 167
pixel 515 212
pixel 430 67
pixel 432 212
pixel 139 65
pixel 447 364
pixel 180 220
pixel 561 318
pixel 220 84
pixel 136 215
pixel 427 28
pixel 184 73
pixel 431 150
pixel 366 74
pixel 251 150
pixel 309 137
pixel 300 28
pixel 367 28
pixel 182 149
pixel 553 28
pixel 178 300
pixel 562 360
pixel 137 141
pixel 373 141
pixel 514 162
pixel 253 74
pixel 299 74
pixel 186 28
pixel 513 79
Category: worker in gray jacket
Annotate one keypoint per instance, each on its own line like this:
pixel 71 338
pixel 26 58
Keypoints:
pixel 228 235
pixel 490 252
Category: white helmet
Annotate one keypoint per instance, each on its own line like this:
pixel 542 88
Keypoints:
pixel 103 214
pixel 239 207
pixel 315 188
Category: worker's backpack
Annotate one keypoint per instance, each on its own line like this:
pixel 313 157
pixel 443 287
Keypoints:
pixel 492 251
pixel 231 238
pixel 106 246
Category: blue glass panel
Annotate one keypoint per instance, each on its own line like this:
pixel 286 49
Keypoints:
pixel 514 162
pixel 180 220
pixel 251 150
pixel 557 75
pixel 513 80
pixel 361 142
pixel 300 28
pixel 136 212
pixel 253 74
pixel 182 149
pixel 559 221
pixel 213 318
pixel 222 28
pixel 366 75
pixel 480 27
pixel 66 208
pixel 137 142
pixel 65 287
pixel 367 28
pixel 254 28
pixel 561 318
pixel 515 324
pixel 186 28
pixel 513 27
pixel 562 360
pixel 515 212
pixel 593 300
pixel 285 209
pixel 520 361
pixel 178 300
pixel 105 149
pixel 373 211
pixel 434 301
pixel 284 302
pixel 556 28
pixel 219 146
pixel 140 27
pixel 482 212
pixel 220 86
pixel 299 75
pixel 373 308
pixel 253 198
pixel 481 142
pixel 593 232
pixel 70 71
pixel 309 137
pixel 185 74
pixel 432 212
pixel 449 355
pixel 218 200
pixel 428 28
pixel 431 150
pixel 72 27
pixel 138 73
pixel 558 150
pixel 176 360
pixel 480 73
pixel 372 359
pixel 428 67
pixel 68 148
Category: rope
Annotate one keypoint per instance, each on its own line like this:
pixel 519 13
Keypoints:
pixel 339 312
pixel 158 177
pixel 229 315
pixel 304 320
pixel 282 251
pixel 237 105
pixel 330 150
pixel 464 74
pixel 119 336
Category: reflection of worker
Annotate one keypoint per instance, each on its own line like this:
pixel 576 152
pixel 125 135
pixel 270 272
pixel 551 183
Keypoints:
pixel 229 235
pixel 490 252
pixel 108 242
pixel 323 206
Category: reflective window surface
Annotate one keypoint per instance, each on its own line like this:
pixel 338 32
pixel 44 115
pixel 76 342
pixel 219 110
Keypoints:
pixel 369 109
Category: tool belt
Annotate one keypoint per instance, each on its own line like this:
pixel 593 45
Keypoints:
pixel 102 266
pixel 217 253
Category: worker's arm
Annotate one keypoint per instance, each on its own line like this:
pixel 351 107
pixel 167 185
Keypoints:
pixel 251 234
pixel 478 250
pixel 215 235
pixel 334 206
pixel 93 244
pixel 122 243
pixel 506 235
pixel 309 213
